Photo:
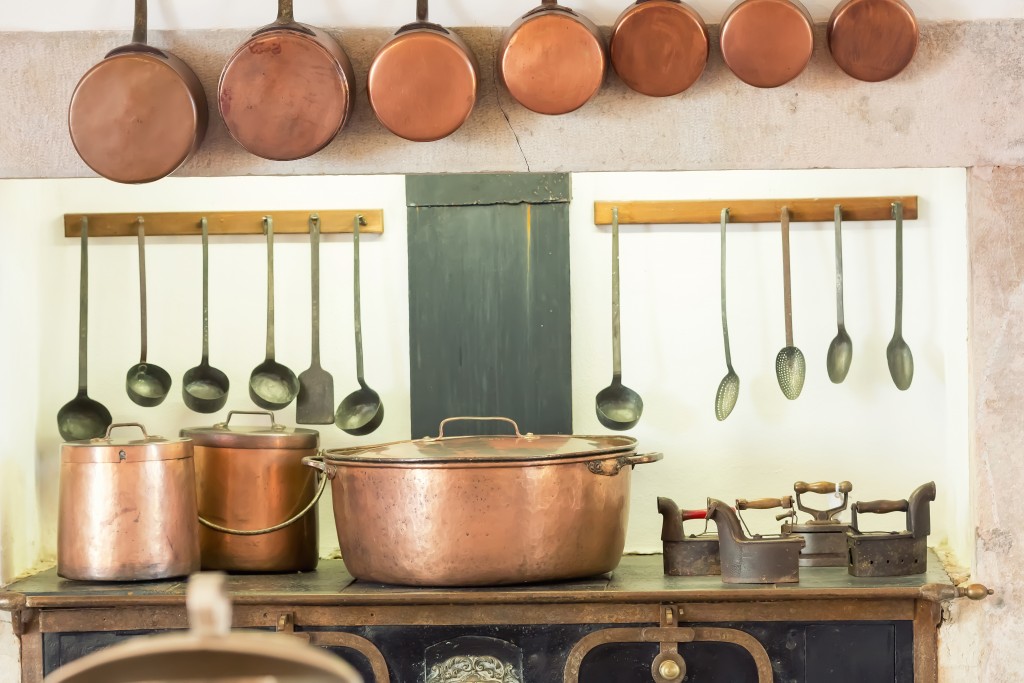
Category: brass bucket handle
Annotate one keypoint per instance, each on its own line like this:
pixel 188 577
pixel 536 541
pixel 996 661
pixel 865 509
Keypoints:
pixel 440 429
pixel 273 421
pixel 277 527
pixel 145 434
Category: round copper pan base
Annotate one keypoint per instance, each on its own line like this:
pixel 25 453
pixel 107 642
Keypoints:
pixel 422 85
pixel 659 47
pixel 767 43
pixel 134 119
pixel 284 95
pixel 553 62
pixel 873 40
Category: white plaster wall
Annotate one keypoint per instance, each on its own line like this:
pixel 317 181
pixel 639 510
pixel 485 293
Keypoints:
pixel 79 15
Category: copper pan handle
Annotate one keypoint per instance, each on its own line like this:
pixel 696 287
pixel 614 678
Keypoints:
pixel 277 527
pixel 141 22
pixel 609 467
pixel 440 429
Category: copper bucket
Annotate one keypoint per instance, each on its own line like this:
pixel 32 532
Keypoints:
pixel 257 502
pixel 127 509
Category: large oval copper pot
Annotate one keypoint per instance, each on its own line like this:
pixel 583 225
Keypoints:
pixel 767 43
pixel 140 113
pixel 127 509
pixel 482 510
pixel 423 81
pixel 873 40
pixel 552 59
pixel 659 47
pixel 257 503
pixel 286 91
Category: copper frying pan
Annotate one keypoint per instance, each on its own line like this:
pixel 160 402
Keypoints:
pixel 423 81
pixel 287 90
pixel 140 113
pixel 767 43
pixel 873 40
pixel 552 59
pixel 659 47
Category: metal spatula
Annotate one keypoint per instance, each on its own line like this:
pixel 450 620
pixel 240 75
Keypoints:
pixel 315 404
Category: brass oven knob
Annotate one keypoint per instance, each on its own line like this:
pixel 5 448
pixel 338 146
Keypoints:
pixel 669 669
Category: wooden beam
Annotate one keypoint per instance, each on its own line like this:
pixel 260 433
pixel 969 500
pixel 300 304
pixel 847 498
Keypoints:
pixel 706 212
pixel 221 222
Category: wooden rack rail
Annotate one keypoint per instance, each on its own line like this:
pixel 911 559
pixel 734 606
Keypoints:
pixel 709 211
pixel 221 222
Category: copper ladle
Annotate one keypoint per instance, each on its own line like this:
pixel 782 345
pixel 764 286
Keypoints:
pixel 205 388
pixel 83 418
pixel 618 406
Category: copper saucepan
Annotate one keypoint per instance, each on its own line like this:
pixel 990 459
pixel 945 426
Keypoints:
pixel 552 59
pixel 423 81
pixel 140 113
pixel 287 90
pixel 873 40
pixel 767 43
pixel 659 47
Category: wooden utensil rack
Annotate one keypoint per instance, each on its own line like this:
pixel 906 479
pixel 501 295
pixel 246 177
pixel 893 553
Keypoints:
pixel 703 212
pixel 222 222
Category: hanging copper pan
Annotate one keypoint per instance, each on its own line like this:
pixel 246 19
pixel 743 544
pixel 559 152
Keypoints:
pixel 140 113
pixel 552 59
pixel 659 47
pixel 423 81
pixel 873 40
pixel 286 91
pixel 767 43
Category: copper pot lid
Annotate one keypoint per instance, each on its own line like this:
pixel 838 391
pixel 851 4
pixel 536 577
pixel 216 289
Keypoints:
pixel 767 43
pixel 133 118
pixel 873 40
pixel 274 435
pixel 283 95
pixel 659 47
pixel 422 83
pixel 108 449
pixel 552 60
pixel 512 448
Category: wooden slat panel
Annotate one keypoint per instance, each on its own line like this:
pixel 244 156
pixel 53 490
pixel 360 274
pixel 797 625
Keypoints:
pixel 221 222
pixel 706 212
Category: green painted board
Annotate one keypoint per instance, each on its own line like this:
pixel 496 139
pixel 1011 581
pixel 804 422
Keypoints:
pixel 489 308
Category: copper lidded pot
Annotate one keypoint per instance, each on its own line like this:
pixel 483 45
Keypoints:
pixel 482 510
pixel 873 40
pixel 659 47
pixel 127 509
pixel 552 59
pixel 257 502
pixel 767 43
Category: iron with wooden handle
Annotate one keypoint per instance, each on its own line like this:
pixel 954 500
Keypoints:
pixel 786 503
pixel 823 487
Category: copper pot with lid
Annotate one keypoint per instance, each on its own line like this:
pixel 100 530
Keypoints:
pixel 257 502
pixel 127 508
pixel 873 40
pixel 659 47
pixel 286 92
pixel 138 115
pixel 552 59
pixel 482 510
pixel 767 43
pixel 423 81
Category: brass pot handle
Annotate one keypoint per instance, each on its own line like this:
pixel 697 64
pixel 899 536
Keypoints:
pixel 277 527
pixel 440 429
pixel 273 421
pixel 145 434
pixel 609 467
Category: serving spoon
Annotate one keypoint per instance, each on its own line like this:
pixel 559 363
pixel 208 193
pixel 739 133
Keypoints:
pixel 901 360
pixel 840 351
pixel 729 388
pixel 790 366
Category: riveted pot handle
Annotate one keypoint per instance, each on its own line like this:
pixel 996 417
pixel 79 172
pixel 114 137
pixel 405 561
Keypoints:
pixel 106 436
pixel 273 421
pixel 440 429
pixel 299 515
pixel 317 463
pixel 609 467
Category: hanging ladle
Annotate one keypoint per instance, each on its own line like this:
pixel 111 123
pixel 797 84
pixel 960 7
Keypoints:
pixel 790 366
pixel 840 351
pixel 205 388
pixel 147 384
pixel 729 388
pixel 272 386
pixel 618 406
pixel 83 418
pixel 362 411
pixel 901 360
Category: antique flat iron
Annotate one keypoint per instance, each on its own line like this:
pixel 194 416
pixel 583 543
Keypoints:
pixel 824 535
pixel 892 553
pixel 759 559
pixel 693 555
